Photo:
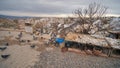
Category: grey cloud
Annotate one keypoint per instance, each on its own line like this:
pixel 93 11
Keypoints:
pixel 54 6
pixel 32 7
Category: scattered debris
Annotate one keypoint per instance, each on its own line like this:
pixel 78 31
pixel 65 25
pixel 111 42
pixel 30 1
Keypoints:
pixel 5 56
pixel 92 45
pixel 64 49
pixel 3 48
pixel 7 44
pixel 32 46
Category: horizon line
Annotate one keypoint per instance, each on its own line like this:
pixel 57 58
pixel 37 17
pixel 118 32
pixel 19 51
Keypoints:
pixel 55 15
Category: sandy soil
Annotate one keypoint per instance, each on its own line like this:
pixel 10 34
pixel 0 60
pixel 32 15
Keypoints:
pixel 14 34
pixel 20 57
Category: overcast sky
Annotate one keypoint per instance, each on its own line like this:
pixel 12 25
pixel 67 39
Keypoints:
pixel 52 7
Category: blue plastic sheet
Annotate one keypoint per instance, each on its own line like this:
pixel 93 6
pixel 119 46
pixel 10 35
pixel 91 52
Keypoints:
pixel 59 40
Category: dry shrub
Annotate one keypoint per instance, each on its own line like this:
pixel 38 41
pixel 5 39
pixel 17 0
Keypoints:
pixel 41 39
pixel 64 49
pixel 88 52
pixel 99 53
pixel 8 39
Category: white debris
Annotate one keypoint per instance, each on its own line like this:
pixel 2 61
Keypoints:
pixel 66 25
pixel 59 25
pixel 115 24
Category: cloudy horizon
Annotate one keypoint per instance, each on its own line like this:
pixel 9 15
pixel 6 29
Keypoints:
pixel 53 8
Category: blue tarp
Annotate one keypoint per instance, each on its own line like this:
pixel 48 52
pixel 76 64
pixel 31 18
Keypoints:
pixel 59 40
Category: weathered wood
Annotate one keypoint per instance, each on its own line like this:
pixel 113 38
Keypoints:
pixel 110 52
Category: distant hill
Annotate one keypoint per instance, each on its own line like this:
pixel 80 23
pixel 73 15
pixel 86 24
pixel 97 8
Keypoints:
pixel 13 17
pixel 22 17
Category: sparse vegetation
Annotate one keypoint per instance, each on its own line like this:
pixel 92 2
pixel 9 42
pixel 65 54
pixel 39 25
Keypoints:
pixel 5 23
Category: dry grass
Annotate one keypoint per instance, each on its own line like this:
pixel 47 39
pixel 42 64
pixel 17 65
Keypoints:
pixel 11 42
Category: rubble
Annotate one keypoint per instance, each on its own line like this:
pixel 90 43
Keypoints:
pixel 40 34
pixel 91 41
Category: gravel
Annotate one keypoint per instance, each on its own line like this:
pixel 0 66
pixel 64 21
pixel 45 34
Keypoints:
pixel 56 59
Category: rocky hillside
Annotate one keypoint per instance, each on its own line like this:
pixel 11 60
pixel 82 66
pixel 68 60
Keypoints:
pixel 7 23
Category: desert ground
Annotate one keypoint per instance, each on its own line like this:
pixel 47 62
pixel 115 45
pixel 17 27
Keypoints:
pixel 23 55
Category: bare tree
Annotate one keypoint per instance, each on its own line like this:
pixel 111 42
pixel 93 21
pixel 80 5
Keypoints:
pixel 88 15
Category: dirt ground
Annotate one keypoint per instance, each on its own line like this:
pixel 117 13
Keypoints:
pixel 57 59
pixel 20 57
